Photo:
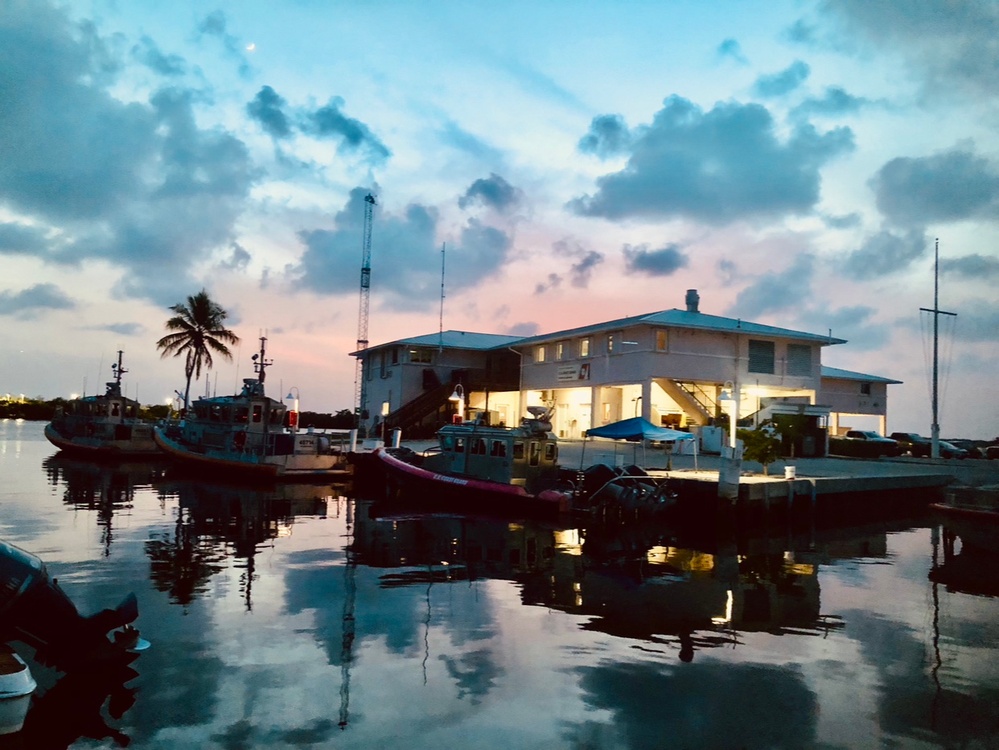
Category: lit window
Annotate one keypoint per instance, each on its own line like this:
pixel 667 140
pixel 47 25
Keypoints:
pixel 420 356
pixel 610 343
pixel 560 350
pixel 661 340
pixel 539 354
pixel 584 347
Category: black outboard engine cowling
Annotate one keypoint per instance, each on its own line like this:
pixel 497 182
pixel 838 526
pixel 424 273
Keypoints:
pixel 35 610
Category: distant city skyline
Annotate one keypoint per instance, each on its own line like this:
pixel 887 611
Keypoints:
pixel 792 161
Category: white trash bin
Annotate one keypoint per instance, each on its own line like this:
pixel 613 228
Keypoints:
pixel 790 472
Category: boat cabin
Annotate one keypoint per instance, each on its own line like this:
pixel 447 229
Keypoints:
pixel 526 456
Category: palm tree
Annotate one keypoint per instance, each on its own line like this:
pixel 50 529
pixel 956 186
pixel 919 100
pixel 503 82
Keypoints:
pixel 197 332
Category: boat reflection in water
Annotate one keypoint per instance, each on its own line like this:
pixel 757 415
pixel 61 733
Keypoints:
pixel 217 521
pixel 107 487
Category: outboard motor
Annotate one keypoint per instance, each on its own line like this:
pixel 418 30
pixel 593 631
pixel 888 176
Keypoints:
pixel 35 610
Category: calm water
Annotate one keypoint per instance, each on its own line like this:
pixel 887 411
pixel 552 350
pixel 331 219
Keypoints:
pixel 304 619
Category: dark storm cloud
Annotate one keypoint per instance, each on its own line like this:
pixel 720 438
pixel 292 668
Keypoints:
pixel 21 239
pixel 149 54
pixel 776 291
pixel 353 135
pixel 731 49
pixel 884 253
pixel 137 184
pixel 949 186
pixel 405 255
pixel 664 261
pixel 784 82
pixel 950 45
pixel 974 266
pixel 719 166
pixel 492 191
pixel 30 303
pixel 267 108
pixel 608 136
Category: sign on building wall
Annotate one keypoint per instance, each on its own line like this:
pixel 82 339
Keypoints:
pixel 569 373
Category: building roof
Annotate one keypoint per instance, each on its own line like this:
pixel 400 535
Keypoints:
pixel 835 372
pixel 684 319
pixel 453 340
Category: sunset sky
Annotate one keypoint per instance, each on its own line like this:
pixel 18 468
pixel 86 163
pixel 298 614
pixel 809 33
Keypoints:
pixel 580 161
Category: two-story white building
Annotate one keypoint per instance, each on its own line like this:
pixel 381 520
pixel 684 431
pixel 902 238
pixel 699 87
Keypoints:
pixel 679 368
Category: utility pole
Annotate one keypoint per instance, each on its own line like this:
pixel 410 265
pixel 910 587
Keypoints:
pixel 360 396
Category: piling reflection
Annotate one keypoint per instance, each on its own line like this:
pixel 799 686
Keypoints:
pixel 968 557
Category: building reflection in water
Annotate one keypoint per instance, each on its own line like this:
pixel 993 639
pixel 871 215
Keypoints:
pixel 643 585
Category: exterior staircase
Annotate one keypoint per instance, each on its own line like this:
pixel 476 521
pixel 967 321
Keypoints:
pixel 690 397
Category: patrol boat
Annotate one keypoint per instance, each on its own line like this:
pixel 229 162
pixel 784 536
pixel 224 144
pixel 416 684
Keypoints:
pixel 252 436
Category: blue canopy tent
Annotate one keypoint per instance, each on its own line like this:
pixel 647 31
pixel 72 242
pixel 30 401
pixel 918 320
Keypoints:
pixel 638 429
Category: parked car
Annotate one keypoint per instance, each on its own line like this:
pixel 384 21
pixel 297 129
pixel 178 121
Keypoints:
pixel 912 443
pixel 975 448
pixel 949 450
pixel 864 443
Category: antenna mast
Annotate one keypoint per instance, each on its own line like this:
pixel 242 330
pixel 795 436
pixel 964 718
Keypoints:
pixel 937 312
pixel 440 339
pixel 362 314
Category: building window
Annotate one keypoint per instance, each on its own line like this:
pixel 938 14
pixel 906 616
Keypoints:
pixel 761 357
pixel 584 347
pixel 539 354
pixel 610 343
pixel 661 340
pixel 395 355
pixel 865 389
pixel 799 359
pixel 560 350
pixel 421 356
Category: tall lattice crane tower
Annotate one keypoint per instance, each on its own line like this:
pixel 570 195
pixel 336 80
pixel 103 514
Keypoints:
pixel 360 397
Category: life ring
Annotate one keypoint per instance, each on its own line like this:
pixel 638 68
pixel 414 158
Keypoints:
pixel 239 440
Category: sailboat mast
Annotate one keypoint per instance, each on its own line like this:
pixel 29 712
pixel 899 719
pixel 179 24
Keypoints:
pixel 935 399
pixel 935 387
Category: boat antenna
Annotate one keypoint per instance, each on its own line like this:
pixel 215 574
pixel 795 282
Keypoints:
pixel 260 361
pixel 440 340
pixel 937 312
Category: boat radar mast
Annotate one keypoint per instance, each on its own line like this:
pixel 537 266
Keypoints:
pixel 260 362
pixel 114 387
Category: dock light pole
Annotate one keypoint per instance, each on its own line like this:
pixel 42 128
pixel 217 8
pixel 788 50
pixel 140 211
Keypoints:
pixel 293 411
pixel 458 399
pixel 729 401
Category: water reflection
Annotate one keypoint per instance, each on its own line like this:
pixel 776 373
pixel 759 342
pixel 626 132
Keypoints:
pixel 216 521
pixel 104 487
